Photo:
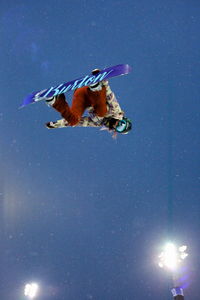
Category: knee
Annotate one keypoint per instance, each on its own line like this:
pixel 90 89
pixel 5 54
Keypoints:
pixel 72 119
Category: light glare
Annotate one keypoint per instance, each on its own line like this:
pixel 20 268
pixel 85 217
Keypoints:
pixel 31 290
pixel 171 256
pixel 182 248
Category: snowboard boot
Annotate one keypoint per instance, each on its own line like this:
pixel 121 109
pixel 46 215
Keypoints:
pixel 50 101
pixel 96 86
pixel 58 103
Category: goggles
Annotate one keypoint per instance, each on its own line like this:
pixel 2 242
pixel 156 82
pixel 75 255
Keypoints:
pixel 123 126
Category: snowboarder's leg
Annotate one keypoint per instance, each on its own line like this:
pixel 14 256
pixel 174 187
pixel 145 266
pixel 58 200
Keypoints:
pixel 97 96
pixel 98 100
pixel 83 97
pixel 79 103
pixel 72 116
pixel 89 96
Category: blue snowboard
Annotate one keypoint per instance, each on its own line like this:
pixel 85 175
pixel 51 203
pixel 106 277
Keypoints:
pixel 77 83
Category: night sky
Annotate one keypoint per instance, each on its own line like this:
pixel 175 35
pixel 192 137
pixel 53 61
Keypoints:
pixel 83 215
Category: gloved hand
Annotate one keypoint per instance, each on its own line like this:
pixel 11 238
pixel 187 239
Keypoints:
pixel 110 123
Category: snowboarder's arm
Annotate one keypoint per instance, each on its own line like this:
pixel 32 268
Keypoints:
pixel 88 122
pixel 114 107
pixel 84 122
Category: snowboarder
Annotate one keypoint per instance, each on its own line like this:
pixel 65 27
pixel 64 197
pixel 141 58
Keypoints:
pixel 103 109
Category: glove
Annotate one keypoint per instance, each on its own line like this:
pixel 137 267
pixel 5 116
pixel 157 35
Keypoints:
pixel 110 123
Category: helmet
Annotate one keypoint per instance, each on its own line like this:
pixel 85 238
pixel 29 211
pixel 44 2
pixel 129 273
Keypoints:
pixel 123 126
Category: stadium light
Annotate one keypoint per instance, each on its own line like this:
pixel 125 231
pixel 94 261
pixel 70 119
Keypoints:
pixel 31 290
pixel 172 256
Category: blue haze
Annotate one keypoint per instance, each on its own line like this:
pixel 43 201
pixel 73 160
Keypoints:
pixel 82 214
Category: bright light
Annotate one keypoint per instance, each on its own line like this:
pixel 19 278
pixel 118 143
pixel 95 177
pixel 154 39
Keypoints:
pixel 172 256
pixel 31 290
pixel 182 248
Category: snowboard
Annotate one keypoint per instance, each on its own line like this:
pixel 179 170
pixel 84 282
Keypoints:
pixel 77 83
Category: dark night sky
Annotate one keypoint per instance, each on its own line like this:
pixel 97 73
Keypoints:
pixel 82 214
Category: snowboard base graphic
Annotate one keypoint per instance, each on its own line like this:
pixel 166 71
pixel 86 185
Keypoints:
pixel 77 83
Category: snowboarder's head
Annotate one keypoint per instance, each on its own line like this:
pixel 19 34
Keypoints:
pixel 123 126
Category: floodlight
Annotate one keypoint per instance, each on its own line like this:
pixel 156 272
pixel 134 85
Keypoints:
pixel 31 290
pixel 171 256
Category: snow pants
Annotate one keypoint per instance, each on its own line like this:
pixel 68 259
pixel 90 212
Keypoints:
pixel 82 99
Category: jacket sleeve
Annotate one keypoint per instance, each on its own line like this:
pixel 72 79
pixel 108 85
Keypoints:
pixel 114 107
pixel 88 122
